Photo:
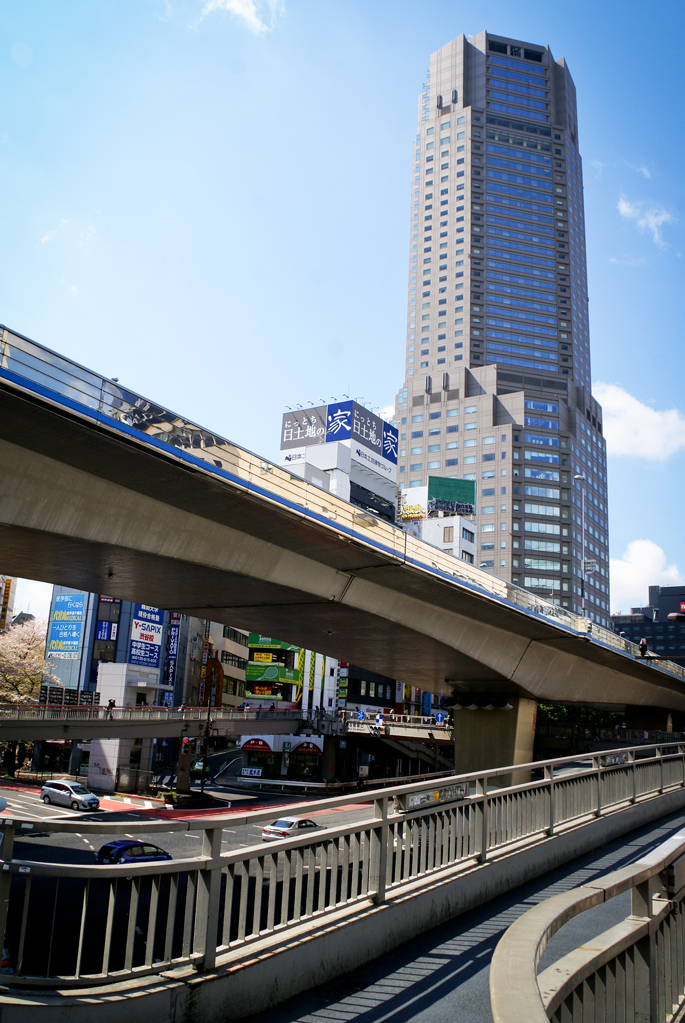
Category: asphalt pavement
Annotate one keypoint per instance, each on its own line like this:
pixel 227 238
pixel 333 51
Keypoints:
pixel 53 847
pixel 443 976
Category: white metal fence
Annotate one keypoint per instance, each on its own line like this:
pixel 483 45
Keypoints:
pixel 632 973
pixel 73 924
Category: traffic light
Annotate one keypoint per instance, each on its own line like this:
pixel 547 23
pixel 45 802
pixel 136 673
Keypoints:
pixel 185 745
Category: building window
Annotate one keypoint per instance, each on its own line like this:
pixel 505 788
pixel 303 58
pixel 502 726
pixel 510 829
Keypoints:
pixel 448 534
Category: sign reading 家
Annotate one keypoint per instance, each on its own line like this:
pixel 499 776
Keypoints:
pixel 341 421
pixel 66 626
pixel 146 636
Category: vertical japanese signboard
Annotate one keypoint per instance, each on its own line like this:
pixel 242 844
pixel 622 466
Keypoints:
pixel 65 632
pixel 146 636
pixel 172 650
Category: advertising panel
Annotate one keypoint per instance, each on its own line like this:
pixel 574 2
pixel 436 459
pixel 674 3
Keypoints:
pixel 146 636
pixel 66 626
pixel 172 651
pixel 270 673
pixel 255 639
pixel 303 427
pixel 413 503
pixel 344 421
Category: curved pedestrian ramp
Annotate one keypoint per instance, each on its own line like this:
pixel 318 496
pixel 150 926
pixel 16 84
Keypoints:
pixel 222 935
pixel 634 972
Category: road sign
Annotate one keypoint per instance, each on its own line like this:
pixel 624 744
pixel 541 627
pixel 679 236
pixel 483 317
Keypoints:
pixel 440 718
pixel 360 715
pixel 379 719
pixel 589 567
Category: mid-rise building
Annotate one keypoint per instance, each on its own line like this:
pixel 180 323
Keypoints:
pixel 651 622
pixel 497 384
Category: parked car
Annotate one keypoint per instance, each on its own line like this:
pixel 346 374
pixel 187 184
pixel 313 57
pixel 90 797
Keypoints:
pixel 289 827
pixel 69 793
pixel 127 851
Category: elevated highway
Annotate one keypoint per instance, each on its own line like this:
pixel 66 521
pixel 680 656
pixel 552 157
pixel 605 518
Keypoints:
pixel 103 490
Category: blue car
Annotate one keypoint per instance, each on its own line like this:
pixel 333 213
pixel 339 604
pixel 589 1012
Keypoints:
pixel 127 850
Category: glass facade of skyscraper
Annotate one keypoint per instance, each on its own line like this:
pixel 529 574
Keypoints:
pixel 497 382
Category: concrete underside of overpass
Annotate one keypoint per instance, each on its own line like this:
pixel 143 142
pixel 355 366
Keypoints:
pixel 84 506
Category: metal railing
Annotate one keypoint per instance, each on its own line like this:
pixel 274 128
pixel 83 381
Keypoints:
pixel 361 721
pixel 40 712
pixel 80 924
pixel 30 366
pixel 632 973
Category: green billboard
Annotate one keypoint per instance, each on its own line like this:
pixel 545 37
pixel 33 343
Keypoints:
pixel 259 672
pixel 255 639
pixel 452 491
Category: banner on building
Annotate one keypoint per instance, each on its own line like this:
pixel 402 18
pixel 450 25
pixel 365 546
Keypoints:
pixel 146 636
pixel 172 650
pixel 65 633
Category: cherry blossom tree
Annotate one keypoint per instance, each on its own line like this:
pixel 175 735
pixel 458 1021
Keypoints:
pixel 22 664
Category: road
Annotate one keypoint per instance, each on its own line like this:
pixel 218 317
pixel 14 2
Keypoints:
pixel 73 848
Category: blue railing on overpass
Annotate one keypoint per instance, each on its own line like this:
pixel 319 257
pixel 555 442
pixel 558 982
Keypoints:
pixel 32 368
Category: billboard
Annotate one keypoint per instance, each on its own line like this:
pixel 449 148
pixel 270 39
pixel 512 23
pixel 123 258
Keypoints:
pixel 270 673
pixel 65 633
pixel 303 427
pixel 146 636
pixel 172 650
pixel 451 497
pixel 341 421
pixel 267 643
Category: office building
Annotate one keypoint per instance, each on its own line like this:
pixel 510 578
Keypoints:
pixel 664 637
pixel 497 385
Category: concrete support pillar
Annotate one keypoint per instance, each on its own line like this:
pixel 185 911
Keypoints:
pixel 486 739
pixel 330 748
pixel 74 758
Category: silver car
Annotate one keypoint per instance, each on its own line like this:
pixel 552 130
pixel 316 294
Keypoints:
pixel 290 827
pixel 69 793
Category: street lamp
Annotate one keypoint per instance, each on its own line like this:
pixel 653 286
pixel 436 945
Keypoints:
pixel 582 476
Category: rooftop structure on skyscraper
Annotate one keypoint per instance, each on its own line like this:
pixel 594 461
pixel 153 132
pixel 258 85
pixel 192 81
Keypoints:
pixel 497 385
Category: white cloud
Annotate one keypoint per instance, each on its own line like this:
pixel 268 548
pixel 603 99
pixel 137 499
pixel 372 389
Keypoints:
pixel 643 565
pixel 33 597
pixel 628 260
pixel 599 166
pixel 257 15
pixel 647 217
pixel 634 429
pixel 51 234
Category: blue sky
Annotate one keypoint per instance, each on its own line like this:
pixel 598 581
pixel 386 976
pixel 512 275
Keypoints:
pixel 210 200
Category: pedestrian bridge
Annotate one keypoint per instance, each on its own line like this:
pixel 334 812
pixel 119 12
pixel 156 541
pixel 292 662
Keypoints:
pixel 223 935
pixel 22 721
pixel 103 490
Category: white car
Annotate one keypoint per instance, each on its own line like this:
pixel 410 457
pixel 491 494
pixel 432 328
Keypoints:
pixel 290 827
pixel 69 793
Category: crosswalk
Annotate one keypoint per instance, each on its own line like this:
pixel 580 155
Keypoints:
pixel 29 806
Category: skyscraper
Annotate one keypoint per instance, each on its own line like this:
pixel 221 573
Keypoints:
pixel 498 384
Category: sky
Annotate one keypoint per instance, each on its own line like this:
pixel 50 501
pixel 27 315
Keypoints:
pixel 210 200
